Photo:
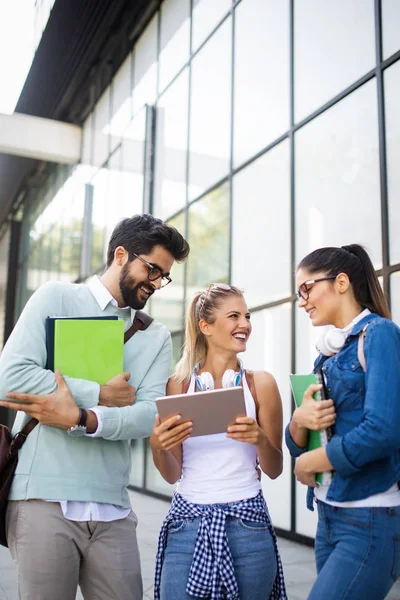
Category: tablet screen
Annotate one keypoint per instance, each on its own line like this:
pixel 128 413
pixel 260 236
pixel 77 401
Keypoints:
pixel 211 412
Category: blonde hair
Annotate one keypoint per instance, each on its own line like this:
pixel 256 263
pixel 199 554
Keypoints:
pixel 203 306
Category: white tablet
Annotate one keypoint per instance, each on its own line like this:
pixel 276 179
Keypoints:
pixel 211 412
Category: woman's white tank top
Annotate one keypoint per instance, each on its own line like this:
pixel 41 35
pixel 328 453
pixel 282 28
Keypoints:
pixel 217 469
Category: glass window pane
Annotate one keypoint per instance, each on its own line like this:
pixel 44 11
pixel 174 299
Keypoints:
pixel 395 297
pixel 154 481
pixel 145 67
pixel 125 199
pixel 130 190
pixel 174 39
pixel 261 94
pixel 269 349
pixel 261 227
pixel 167 303
pixel 37 218
pixel 337 177
pixel 306 521
pixel 72 221
pixel 206 15
pixel 392 94
pixel 177 343
pixel 121 101
pixel 101 147
pixel 54 227
pixel 209 240
pixel 115 160
pixel 171 148
pixel 138 455
pixel 99 220
pixel 210 112
pixel 334 46
pixel 390 27
pixel 47 233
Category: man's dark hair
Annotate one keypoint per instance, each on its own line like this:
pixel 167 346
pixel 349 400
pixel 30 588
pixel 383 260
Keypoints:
pixel 141 233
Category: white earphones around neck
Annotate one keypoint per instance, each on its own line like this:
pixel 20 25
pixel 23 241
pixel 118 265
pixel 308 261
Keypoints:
pixel 205 381
pixel 332 341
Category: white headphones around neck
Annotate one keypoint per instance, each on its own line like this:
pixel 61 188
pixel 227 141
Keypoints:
pixel 230 378
pixel 332 341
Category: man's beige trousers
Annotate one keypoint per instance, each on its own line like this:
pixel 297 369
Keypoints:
pixel 54 554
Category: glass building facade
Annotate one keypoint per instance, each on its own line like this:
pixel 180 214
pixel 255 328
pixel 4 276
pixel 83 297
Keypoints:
pixel 261 130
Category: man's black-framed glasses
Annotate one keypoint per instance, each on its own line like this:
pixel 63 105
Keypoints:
pixel 154 272
pixel 304 290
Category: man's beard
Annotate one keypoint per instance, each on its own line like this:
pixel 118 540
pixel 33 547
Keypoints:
pixel 130 291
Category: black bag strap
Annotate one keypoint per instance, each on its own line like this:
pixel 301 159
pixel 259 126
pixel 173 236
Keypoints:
pixel 19 439
pixel 141 322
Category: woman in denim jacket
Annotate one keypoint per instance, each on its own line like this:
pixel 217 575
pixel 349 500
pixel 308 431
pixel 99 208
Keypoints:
pixel 217 540
pixel 357 544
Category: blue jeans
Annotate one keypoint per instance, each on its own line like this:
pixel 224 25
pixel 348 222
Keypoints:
pixel 252 550
pixel 357 552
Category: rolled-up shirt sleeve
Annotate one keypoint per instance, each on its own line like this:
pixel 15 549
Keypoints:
pixel 99 416
pixel 293 448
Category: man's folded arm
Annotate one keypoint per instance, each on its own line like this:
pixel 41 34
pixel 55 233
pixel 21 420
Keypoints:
pixel 24 357
pixel 134 422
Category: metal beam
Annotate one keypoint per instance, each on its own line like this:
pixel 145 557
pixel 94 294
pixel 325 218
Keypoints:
pixel 41 139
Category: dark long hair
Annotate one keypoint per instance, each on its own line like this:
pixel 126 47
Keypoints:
pixel 355 262
pixel 140 233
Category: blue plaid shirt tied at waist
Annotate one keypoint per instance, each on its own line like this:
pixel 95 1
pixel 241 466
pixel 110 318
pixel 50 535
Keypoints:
pixel 212 573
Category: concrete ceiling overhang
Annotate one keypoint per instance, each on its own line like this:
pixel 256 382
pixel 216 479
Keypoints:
pixel 82 46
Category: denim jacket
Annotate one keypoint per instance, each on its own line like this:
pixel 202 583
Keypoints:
pixel 365 447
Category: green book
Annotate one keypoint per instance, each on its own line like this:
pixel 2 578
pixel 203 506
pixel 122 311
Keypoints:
pixel 316 439
pixel 89 348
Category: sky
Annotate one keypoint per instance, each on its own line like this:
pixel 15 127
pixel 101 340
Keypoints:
pixel 17 19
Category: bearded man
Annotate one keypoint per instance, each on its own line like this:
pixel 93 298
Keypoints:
pixel 69 520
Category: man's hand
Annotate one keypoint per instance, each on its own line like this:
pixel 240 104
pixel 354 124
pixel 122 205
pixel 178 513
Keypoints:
pixel 117 392
pixel 314 415
pixel 57 409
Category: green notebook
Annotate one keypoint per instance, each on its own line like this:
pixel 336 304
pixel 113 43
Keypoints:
pixel 316 439
pixel 89 349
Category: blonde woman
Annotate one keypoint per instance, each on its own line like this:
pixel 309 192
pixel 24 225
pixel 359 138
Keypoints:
pixel 217 540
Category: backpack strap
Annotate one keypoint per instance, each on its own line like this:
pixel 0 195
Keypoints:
pixel 360 349
pixel 252 387
pixel 140 323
